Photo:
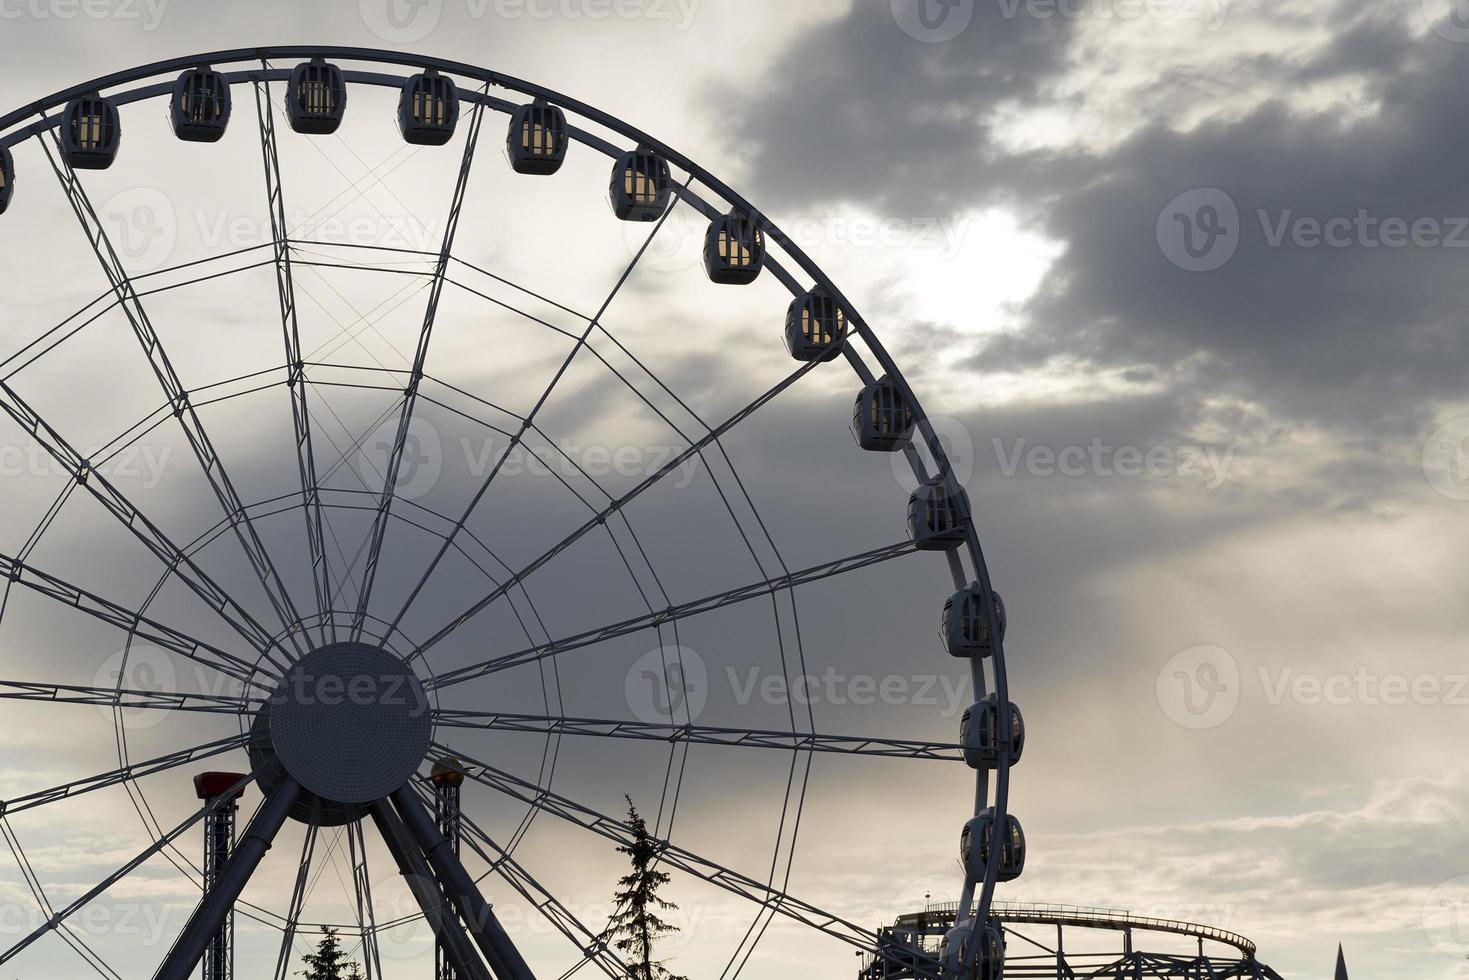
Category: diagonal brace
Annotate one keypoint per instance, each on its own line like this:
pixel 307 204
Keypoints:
pixel 420 881
pixel 183 958
pixel 493 941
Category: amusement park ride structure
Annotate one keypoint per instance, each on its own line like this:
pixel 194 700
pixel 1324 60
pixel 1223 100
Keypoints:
pixel 1063 942
pixel 382 759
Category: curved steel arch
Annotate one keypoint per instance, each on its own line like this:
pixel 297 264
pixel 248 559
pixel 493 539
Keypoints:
pixel 977 895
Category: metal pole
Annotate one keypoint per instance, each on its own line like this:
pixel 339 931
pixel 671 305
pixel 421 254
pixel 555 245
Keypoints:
pixel 421 883
pixel 217 904
pixel 493 941
pixel 447 779
pixel 219 841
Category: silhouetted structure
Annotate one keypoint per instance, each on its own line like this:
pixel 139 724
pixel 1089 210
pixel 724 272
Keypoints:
pixel 326 768
pixel 1041 942
pixel 447 779
pixel 219 841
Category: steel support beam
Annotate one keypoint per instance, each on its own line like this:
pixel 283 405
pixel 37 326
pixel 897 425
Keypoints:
pixel 426 892
pixel 660 617
pixel 178 396
pixel 415 379
pixel 295 368
pixel 702 734
pixel 183 958
pixel 447 816
pixel 492 938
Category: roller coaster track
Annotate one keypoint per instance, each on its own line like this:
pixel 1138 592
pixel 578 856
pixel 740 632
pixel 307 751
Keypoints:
pixel 1084 917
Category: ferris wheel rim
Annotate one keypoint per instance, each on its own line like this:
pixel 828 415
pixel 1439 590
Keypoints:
pixel 9 136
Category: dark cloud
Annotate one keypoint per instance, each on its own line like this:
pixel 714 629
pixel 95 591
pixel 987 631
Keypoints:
pixel 1356 336
pixel 1360 339
pixel 858 110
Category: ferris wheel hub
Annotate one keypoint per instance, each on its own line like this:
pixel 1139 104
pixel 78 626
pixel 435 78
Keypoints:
pixel 350 722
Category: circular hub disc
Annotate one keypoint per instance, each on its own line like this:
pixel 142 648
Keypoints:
pixel 350 722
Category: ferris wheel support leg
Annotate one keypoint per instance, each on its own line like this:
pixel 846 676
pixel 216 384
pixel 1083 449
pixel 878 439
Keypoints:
pixel 492 938
pixel 425 889
pixel 183 959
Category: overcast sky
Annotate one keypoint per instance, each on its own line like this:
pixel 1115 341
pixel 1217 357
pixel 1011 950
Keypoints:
pixel 1180 282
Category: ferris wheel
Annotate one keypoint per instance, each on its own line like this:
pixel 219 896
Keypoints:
pixel 352 626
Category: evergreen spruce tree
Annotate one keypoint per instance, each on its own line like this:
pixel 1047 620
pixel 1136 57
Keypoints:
pixel 328 961
pixel 638 923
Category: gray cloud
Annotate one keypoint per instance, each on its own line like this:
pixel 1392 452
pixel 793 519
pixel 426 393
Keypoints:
pixel 857 110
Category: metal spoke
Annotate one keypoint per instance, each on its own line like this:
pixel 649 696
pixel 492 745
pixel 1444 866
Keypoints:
pixel 497 721
pixel 701 867
pixel 242 521
pixel 296 372
pixel 479 919
pixel 431 898
pixel 436 290
pixel 593 946
pixel 33 882
pixel 127 869
pixel 214 907
pixel 80 469
pixel 671 614
pixel 174 390
pixel 129 700
pixel 135 623
pixel 600 518
pixel 133 771
pixel 529 420
pixel 298 894
pixel 362 891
